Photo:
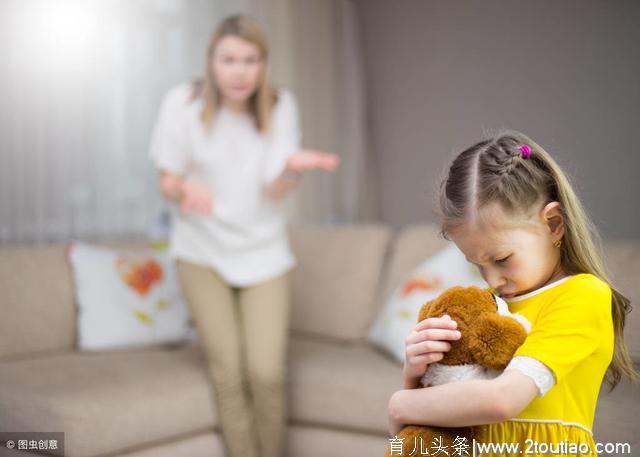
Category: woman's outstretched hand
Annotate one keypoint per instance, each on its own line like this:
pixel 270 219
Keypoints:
pixel 298 163
pixel 309 159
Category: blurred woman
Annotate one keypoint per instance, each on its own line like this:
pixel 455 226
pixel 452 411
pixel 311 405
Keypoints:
pixel 228 151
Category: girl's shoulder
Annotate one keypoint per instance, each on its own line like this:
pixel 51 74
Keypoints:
pixel 570 286
pixel 588 283
pixel 589 291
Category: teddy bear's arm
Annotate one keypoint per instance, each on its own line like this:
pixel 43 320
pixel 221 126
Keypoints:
pixel 494 340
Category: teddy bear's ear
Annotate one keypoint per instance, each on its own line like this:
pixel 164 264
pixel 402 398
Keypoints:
pixel 494 339
pixel 425 311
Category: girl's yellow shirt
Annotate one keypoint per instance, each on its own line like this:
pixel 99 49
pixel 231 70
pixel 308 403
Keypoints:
pixel 572 334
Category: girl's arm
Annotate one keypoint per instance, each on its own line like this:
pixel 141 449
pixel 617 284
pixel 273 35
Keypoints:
pixel 301 161
pixel 463 403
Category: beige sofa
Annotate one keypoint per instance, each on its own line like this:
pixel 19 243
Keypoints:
pixel 157 401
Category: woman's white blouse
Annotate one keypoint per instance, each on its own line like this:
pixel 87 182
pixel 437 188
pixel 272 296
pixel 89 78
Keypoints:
pixel 245 238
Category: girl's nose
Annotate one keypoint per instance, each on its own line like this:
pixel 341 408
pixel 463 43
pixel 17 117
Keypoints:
pixel 494 279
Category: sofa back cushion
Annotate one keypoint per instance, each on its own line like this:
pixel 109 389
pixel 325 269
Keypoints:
pixel 411 246
pixel 337 278
pixel 336 284
pixel 36 296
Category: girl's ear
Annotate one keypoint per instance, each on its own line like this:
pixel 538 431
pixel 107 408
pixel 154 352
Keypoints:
pixel 552 216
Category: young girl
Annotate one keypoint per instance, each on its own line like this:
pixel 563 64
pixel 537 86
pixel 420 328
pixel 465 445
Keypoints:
pixel 228 152
pixel 511 210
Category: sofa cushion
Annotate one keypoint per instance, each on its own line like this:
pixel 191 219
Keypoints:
pixel 445 269
pixel 37 287
pixel 37 298
pixel 344 386
pixel 108 400
pixel 37 292
pixel 409 249
pixel 129 399
pixel 201 445
pixel 336 279
pixel 303 441
pixel 126 298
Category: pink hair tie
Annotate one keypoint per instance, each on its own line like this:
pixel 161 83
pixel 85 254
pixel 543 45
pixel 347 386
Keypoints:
pixel 525 151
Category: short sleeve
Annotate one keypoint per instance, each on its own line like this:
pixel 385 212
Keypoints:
pixel 539 373
pixel 285 135
pixel 170 147
pixel 569 329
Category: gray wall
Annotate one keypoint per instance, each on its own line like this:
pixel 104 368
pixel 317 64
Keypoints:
pixel 440 73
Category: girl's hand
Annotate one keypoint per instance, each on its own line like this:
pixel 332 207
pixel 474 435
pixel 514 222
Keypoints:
pixel 309 159
pixel 427 344
pixel 196 198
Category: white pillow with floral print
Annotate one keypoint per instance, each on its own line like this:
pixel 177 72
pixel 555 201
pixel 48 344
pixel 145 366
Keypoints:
pixel 445 269
pixel 127 298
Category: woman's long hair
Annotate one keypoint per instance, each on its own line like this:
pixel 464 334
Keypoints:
pixel 495 171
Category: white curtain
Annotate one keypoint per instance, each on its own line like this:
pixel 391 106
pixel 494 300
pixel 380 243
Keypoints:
pixel 81 85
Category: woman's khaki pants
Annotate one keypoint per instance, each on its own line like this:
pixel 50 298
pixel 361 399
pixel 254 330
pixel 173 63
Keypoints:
pixel 243 333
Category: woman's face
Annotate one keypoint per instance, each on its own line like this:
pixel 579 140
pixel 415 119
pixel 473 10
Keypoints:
pixel 237 67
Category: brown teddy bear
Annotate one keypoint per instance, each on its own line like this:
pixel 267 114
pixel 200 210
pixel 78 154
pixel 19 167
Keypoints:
pixel 490 335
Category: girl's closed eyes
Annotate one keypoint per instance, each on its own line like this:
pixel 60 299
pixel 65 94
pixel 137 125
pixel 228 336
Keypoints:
pixel 503 259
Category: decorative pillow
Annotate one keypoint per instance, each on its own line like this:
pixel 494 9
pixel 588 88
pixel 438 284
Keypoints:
pixel 127 298
pixel 445 269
